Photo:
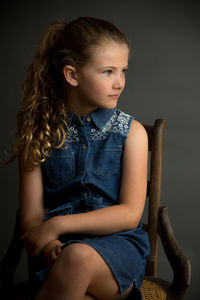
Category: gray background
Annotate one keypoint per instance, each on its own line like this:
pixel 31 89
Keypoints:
pixel 163 82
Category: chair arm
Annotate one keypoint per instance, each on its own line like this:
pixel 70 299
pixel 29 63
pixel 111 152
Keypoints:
pixel 11 259
pixel 179 263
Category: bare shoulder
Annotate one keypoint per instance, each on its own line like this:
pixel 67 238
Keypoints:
pixel 134 168
pixel 137 134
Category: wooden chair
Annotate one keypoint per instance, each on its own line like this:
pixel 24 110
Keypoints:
pixel 158 225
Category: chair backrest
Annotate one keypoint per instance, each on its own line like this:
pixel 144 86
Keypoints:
pixel 155 145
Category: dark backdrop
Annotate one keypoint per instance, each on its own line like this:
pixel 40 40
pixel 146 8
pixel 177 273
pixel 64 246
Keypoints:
pixel 163 82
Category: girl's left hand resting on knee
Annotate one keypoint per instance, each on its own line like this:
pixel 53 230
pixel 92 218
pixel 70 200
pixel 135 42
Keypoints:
pixel 39 236
pixel 51 252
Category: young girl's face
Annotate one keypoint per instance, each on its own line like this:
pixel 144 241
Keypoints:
pixel 102 80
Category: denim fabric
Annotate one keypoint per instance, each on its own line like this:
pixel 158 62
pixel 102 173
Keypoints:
pixel 90 166
pixel 85 176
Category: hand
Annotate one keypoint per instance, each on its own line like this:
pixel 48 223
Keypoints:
pixel 51 252
pixel 37 237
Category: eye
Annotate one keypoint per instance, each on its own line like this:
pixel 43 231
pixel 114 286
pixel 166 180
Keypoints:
pixel 107 72
pixel 124 71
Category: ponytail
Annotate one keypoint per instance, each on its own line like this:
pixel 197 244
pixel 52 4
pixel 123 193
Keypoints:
pixel 42 116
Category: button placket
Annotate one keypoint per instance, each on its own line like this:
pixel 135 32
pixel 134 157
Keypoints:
pixel 83 154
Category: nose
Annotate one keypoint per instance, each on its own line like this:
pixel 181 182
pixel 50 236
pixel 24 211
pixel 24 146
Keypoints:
pixel 119 82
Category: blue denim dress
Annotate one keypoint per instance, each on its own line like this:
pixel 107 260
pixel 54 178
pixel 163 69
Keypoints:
pixel 86 176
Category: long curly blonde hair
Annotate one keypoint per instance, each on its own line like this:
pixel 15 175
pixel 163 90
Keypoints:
pixel 42 121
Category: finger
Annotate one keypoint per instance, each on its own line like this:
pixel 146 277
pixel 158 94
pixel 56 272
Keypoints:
pixel 53 255
pixel 58 250
pixel 37 248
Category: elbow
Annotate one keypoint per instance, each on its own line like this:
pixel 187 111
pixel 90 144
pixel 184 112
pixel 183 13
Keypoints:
pixel 133 223
pixel 132 219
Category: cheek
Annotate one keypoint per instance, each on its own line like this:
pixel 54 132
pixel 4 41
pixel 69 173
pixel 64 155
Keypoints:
pixel 92 91
pixel 99 87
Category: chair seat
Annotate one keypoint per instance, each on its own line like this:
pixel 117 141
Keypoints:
pixel 152 291
pixel 154 288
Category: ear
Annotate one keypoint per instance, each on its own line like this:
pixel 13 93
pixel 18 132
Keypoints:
pixel 70 75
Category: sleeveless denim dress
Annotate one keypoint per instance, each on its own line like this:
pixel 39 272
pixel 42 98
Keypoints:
pixel 86 176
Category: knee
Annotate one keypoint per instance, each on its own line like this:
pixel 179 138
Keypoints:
pixel 75 261
pixel 77 255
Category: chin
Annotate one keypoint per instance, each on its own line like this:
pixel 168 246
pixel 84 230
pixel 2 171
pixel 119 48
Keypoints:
pixel 110 105
pixel 113 105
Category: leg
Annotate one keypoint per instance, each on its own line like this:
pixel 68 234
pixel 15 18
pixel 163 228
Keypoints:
pixel 80 273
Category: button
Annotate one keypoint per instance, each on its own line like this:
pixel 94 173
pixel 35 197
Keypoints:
pixel 88 119
pixel 84 147
pixel 85 194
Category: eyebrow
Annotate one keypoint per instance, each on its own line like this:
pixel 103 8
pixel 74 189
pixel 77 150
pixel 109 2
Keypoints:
pixel 112 67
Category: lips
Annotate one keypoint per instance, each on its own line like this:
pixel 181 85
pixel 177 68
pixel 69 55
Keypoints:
pixel 114 96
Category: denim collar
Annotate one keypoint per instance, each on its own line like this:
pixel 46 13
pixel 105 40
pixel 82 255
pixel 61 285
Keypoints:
pixel 99 116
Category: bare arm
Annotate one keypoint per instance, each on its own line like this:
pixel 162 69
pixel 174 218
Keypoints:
pixel 35 232
pixel 30 197
pixel 132 196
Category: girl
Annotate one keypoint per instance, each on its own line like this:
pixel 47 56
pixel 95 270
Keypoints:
pixel 85 161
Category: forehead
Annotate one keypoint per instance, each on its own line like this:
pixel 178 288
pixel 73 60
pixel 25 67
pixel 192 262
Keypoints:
pixel 110 53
